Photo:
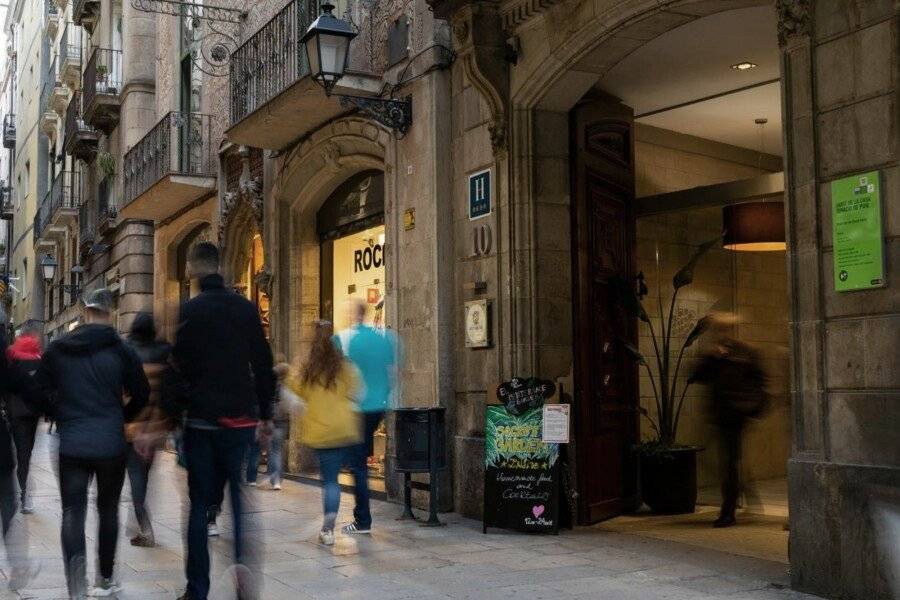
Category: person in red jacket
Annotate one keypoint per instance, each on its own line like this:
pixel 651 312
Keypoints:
pixel 25 352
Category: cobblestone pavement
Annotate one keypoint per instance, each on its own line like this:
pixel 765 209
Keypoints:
pixel 401 560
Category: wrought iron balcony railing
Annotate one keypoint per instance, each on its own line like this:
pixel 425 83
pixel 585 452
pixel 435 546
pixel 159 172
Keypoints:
pixel 102 83
pixel 64 194
pixel 70 44
pixel 180 144
pixel 42 217
pixel 52 9
pixel 86 227
pixel 271 60
pixel 9 131
pixel 81 138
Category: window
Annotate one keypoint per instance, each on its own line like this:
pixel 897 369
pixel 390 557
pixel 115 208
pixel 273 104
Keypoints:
pixel 398 41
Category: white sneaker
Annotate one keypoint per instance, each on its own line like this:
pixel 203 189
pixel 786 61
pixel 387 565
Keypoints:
pixel 105 587
pixel 251 483
pixel 276 487
pixel 212 530
pixel 27 505
pixel 354 529
pixel 326 537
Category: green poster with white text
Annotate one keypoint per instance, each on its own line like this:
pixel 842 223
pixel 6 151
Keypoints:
pixel 856 230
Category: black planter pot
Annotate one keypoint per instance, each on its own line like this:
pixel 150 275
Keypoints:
pixel 669 480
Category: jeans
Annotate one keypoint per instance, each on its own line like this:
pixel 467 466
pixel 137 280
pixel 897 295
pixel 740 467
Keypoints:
pixel 23 431
pixel 74 478
pixel 358 463
pixel 252 460
pixel 276 467
pixel 729 466
pixel 214 456
pixel 330 462
pixel 138 476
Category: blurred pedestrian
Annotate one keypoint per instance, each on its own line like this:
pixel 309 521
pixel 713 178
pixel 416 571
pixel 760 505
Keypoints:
pixel 23 415
pixel 15 381
pixel 288 404
pixel 151 423
pixel 374 353
pixel 222 353
pixel 329 385
pixel 738 388
pixel 86 371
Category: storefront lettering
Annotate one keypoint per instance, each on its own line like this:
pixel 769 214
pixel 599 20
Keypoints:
pixel 371 257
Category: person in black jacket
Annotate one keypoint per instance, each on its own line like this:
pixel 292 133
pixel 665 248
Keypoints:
pixel 23 416
pixel 14 381
pixel 86 372
pixel 154 355
pixel 222 353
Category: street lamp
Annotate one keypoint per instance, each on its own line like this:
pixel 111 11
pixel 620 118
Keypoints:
pixel 327 43
pixel 48 268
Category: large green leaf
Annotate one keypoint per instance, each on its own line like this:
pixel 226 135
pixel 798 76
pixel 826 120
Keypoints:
pixel 699 328
pixel 686 275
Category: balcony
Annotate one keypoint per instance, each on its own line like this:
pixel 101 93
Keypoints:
pixel 59 98
pixel 86 13
pixel 102 84
pixel 9 131
pixel 170 168
pixel 81 139
pixel 273 99
pixel 51 19
pixel 70 56
pixel 49 120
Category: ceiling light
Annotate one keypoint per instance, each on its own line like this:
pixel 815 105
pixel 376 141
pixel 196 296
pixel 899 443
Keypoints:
pixel 754 226
pixel 744 66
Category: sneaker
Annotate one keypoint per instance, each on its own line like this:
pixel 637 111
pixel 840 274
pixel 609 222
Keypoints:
pixel 20 576
pixel 27 505
pixel 186 596
pixel 726 521
pixel 354 529
pixel 276 487
pixel 251 483
pixel 143 541
pixel 212 530
pixel 326 537
pixel 106 586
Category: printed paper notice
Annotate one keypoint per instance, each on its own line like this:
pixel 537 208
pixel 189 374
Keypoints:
pixel 556 424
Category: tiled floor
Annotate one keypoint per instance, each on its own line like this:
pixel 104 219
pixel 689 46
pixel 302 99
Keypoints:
pixel 401 560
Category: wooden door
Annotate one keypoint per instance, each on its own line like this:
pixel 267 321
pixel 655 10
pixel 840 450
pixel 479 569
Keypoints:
pixel 606 394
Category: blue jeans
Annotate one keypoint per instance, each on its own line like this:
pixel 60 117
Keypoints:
pixel 214 456
pixel 252 460
pixel 358 462
pixel 330 462
pixel 276 467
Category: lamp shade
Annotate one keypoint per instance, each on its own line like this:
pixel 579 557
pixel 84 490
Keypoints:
pixel 327 43
pixel 754 226
pixel 48 267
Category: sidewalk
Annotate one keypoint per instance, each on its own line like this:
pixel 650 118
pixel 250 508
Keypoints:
pixel 401 560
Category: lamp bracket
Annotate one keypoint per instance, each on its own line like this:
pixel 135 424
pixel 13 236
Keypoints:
pixel 390 112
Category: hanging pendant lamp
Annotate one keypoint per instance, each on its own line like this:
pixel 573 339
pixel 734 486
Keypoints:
pixel 754 227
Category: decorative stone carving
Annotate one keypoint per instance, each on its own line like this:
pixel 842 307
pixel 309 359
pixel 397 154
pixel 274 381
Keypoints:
pixel 516 13
pixel 481 46
pixel 331 156
pixel 793 19
pixel 248 196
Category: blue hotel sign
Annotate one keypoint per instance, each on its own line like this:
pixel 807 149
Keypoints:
pixel 480 194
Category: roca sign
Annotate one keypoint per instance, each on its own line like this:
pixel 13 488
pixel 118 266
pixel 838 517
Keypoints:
pixel 371 257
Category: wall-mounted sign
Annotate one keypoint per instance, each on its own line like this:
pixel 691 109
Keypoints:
pixel 857 234
pixel 521 472
pixel 483 240
pixel 480 194
pixel 478 323
pixel 520 395
pixel 409 219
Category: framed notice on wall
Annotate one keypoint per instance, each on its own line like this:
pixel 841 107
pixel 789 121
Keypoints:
pixel 857 232
pixel 480 194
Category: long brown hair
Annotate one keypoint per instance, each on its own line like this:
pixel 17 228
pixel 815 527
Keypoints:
pixel 325 360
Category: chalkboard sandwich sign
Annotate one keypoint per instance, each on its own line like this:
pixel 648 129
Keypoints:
pixel 522 472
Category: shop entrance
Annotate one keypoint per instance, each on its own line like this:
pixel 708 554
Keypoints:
pixel 673 145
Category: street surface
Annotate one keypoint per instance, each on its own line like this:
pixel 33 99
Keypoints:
pixel 401 560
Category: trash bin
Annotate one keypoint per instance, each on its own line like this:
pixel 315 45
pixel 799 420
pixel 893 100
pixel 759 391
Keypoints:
pixel 420 437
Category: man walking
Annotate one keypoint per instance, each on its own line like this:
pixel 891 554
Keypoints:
pixel 23 416
pixel 374 352
pixel 222 353
pixel 86 373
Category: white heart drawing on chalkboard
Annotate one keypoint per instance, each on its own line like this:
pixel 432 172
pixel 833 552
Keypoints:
pixel 538 510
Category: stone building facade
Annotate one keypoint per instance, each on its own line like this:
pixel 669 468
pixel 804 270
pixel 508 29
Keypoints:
pixel 285 179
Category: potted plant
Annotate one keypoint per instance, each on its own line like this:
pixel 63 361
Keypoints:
pixel 668 469
pixel 102 74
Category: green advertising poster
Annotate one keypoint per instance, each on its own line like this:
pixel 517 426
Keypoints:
pixel 856 230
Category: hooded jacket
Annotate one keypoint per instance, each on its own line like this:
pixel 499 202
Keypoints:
pixel 13 380
pixel 25 353
pixel 87 373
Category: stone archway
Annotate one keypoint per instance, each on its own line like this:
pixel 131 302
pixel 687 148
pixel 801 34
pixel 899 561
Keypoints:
pixel 306 177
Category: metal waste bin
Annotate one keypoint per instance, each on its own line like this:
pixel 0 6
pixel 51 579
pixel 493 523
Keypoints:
pixel 420 437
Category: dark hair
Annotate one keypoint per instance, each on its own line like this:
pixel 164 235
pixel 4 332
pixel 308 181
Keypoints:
pixel 143 328
pixel 205 257
pixel 325 360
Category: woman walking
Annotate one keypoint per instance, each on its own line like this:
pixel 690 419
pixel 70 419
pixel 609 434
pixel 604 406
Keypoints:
pixel 331 423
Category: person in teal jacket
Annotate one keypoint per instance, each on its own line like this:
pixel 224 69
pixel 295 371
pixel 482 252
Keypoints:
pixel 374 353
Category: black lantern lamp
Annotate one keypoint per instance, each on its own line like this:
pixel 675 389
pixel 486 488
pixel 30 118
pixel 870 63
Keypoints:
pixel 754 227
pixel 327 43
pixel 48 268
